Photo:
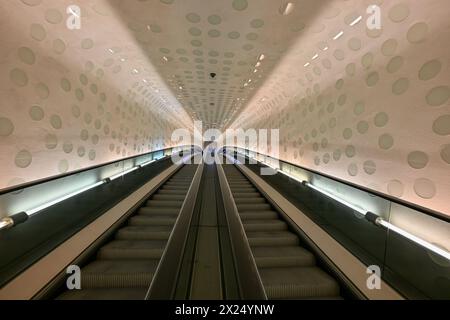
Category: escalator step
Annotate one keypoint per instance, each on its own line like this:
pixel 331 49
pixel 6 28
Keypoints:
pixel 172 197
pixel 272 238
pixel 127 249
pixel 142 233
pixel 243 190
pixel 264 225
pixel 148 211
pixel 118 274
pixel 168 191
pixel 164 204
pixel 248 200
pixel 253 207
pixel 156 220
pixel 298 283
pixel 266 214
pixel 268 257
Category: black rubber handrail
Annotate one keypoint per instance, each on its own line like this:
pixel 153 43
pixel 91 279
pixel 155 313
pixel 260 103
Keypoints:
pixel 250 283
pixel 165 279
pixel 427 211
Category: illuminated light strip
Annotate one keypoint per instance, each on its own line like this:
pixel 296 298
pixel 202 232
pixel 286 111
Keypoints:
pixel 147 163
pixel 306 64
pixel 338 35
pixel 4 223
pixel 423 243
pixel 123 173
pixel 70 195
pixel 315 56
pixel 356 21
pixel 379 221
pixel 338 199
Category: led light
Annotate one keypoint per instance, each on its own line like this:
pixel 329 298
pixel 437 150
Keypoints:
pixel 287 8
pixel 306 64
pixel 423 243
pixel 258 64
pixel 356 21
pixel 338 35
pixel 261 57
pixel 334 197
pixel 48 204
pixel 325 49
pixel 255 71
pixel 123 173
pixel 147 163
pixel 165 59
pixel 4 224
pixel 315 56
pixel 111 50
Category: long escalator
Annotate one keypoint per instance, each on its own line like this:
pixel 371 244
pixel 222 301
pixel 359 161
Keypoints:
pixel 124 267
pixel 287 270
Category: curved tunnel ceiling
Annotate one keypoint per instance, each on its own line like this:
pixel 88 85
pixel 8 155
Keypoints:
pixel 367 106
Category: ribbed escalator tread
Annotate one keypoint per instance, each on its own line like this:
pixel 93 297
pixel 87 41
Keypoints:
pixel 284 256
pixel 132 249
pixel 298 283
pixel 154 220
pixel 272 238
pixel 118 274
pixel 164 203
pixel 144 233
pixel 152 211
pixel 248 200
pixel 264 225
pixel 263 214
pixel 170 197
pixel 287 270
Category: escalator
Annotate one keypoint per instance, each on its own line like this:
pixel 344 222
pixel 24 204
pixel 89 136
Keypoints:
pixel 124 267
pixel 287 270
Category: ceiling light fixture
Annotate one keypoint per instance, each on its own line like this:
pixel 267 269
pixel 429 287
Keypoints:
pixel 286 8
pixel 315 56
pixel 165 59
pixel 261 57
pixel 306 64
pixel 356 21
pixel 338 35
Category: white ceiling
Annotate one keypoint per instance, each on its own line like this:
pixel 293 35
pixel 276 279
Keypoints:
pixel 188 40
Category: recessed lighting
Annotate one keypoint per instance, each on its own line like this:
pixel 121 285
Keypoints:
pixel 306 64
pixel 315 56
pixel 111 50
pixel 356 21
pixel 165 59
pixel 261 57
pixel 286 8
pixel 255 71
pixel 338 35
pixel 325 49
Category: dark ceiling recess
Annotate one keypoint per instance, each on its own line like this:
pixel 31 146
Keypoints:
pixel 213 75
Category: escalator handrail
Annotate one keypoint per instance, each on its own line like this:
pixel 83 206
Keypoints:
pixel 165 279
pixel 250 283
